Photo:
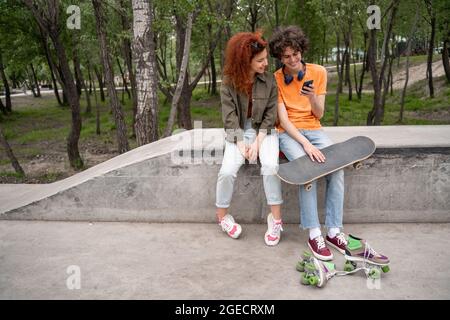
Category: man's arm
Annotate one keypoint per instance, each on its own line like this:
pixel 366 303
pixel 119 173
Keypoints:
pixel 317 101
pixel 318 105
pixel 287 125
pixel 316 93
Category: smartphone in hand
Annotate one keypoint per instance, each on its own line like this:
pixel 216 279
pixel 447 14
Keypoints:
pixel 308 84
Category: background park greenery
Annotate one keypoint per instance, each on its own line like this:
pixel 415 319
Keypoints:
pixel 36 126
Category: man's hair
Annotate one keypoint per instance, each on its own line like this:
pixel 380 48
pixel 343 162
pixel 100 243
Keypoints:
pixel 283 37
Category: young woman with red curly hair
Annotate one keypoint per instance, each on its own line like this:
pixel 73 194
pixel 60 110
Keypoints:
pixel 249 98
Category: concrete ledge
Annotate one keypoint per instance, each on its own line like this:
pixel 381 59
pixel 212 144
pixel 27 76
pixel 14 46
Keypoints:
pixel 407 180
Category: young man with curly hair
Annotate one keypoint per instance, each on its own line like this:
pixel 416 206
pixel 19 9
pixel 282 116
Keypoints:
pixel 300 108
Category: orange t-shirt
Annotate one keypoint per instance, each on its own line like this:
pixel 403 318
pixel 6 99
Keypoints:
pixel 298 106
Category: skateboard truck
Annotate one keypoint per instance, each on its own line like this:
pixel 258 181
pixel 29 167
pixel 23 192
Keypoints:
pixel 357 165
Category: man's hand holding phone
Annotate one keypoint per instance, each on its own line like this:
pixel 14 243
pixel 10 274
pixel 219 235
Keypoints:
pixel 308 88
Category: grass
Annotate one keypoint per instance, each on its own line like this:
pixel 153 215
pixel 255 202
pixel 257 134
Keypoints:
pixel 418 106
pixel 10 174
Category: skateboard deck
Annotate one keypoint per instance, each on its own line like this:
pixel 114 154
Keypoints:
pixel 303 171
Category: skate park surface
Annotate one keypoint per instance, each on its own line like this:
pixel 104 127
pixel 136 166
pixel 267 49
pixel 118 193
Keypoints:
pixel 162 250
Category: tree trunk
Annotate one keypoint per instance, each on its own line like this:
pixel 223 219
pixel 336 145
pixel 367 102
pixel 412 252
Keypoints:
pixel 324 45
pixel 339 86
pixel 55 87
pixel 348 75
pixel 338 57
pixel 402 100
pixel 2 107
pixel 371 56
pixel 51 65
pixel 5 85
pixel 88 99
pixel 430 51
pixel 213 76
pixel 126 47
pixel 182 76
pixel 36 83
pixel 387 82
pixel 121 128
pixel 342 70
pixel 100 83
pixel 184 115
pixel 212 84
pixel 338 61
pixel 336 108
pixel 13 78
pixel 30 85
pixel 364 66
pixel 90 78
pixel 348 45
pixel 10 153
pixel 80 79
pixel 146 122
pixel 77 69
pixel 124 80
pixel 97 107
pixel 445 59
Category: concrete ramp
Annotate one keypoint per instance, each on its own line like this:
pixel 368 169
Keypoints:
pixel 174 180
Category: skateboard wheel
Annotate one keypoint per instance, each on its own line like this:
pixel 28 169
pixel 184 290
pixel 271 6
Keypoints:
pixel 374 273
pixel 306 255
pixel 349 266
pixel 313 280
pixel 300 266
pixel 385 269
pixel 308 187
pixel 357 165
pixel 309 267
pixel 304 279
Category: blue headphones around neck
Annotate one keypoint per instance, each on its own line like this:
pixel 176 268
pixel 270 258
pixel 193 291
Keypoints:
pixel 289 78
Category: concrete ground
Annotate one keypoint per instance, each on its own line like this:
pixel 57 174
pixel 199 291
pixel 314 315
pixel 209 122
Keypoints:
pixel 197 261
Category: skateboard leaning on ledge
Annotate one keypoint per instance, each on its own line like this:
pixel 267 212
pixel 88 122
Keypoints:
pixel 303 171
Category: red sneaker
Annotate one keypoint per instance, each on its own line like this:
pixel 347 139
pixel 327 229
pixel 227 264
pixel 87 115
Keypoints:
pixel 338 242
pixel 319 249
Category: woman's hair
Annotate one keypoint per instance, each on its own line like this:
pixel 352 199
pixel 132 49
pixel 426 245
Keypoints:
pixel 241 49
pixel 284 37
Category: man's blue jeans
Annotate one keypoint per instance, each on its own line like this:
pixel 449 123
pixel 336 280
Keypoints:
pixel 334 197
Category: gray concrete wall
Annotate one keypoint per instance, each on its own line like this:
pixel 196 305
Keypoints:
pixel 406 180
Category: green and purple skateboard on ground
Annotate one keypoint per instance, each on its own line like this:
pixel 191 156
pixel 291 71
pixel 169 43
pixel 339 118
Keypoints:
pixel 359 256
pixel 303 171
